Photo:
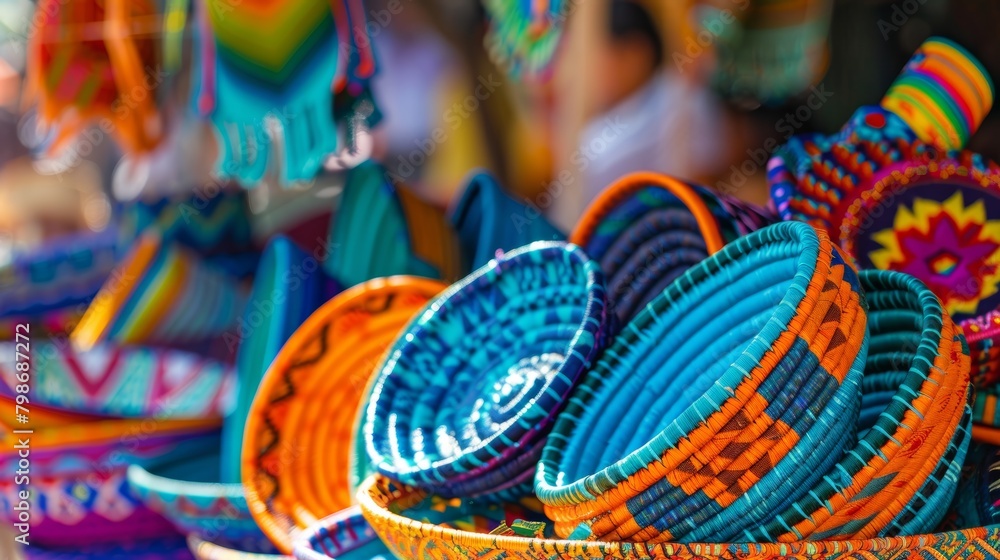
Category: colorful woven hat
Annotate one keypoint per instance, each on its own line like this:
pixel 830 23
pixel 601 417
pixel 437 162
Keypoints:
pixel 83 79
pixel 454 536
pixel 466 397
pixel 758 389
pixel 524 35
pixel 162 294
pixel 488 220
pixel 169 548
pixel 122 381
pixel 647 229
pixel 892 197
pixel 380 230
pixel 301 429
pixel 345 535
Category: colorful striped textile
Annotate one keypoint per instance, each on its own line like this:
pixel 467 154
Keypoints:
pixel 121 381
pixel 168 548
pixel 524 35
pixel 468 394
pixel 78 489
pixel 386 505
pixel 381 230
pixel 942 94
pixel 767 50
pixel 647 229
pixel 488 220
pixel 205 550
pixel 345 535
pixel 302 427
pixel 699 440
pixel 986 415
pixel 190 497
pixel 162 294
pixel 81 79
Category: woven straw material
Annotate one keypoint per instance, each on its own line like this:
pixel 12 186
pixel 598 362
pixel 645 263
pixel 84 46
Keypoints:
pixel 345 535
pixel 914 426
pixel 647 229
pixel 161 293
pixel 386 506
pixel 488 220
pixel 121 381
pixel 466 397
pixel 205 550
pixel 699 439
pixel 289 285
pixel 977 501
pixel 986 415
pixel 300 432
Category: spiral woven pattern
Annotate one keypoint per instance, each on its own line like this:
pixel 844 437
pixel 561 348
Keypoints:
pixel 386 506
pixel 647 229
pixel 345 535
pixel 301 429
pixel 468 394
pixel 694 440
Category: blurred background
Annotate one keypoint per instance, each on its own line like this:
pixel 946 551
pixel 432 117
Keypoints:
pixel 663 97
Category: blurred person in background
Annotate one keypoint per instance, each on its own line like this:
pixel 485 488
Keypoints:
pixel 652 115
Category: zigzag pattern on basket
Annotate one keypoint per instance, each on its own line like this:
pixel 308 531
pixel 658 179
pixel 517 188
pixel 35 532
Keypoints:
pixel 301 431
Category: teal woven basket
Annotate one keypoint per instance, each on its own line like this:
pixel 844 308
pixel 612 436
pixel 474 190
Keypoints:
pixel 758 388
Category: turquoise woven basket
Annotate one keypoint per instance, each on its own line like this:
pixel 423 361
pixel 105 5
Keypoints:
pixel 469 391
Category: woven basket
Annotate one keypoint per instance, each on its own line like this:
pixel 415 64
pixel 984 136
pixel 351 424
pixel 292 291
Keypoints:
pixel 301 428
pixel 387 507
pixel 380 230
pixel 977 501
pixel 345 535
pixel 701 438
pixel 120 381
pixel 162 293
pixel 185 494
pixel 647 229
pixel 488 220
pixel 205 550
pixel 466 397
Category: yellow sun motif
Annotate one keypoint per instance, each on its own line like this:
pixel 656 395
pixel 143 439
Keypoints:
pixel 951 247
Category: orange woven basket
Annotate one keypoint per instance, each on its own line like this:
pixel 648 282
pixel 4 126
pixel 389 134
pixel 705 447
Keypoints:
pixel 300 430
